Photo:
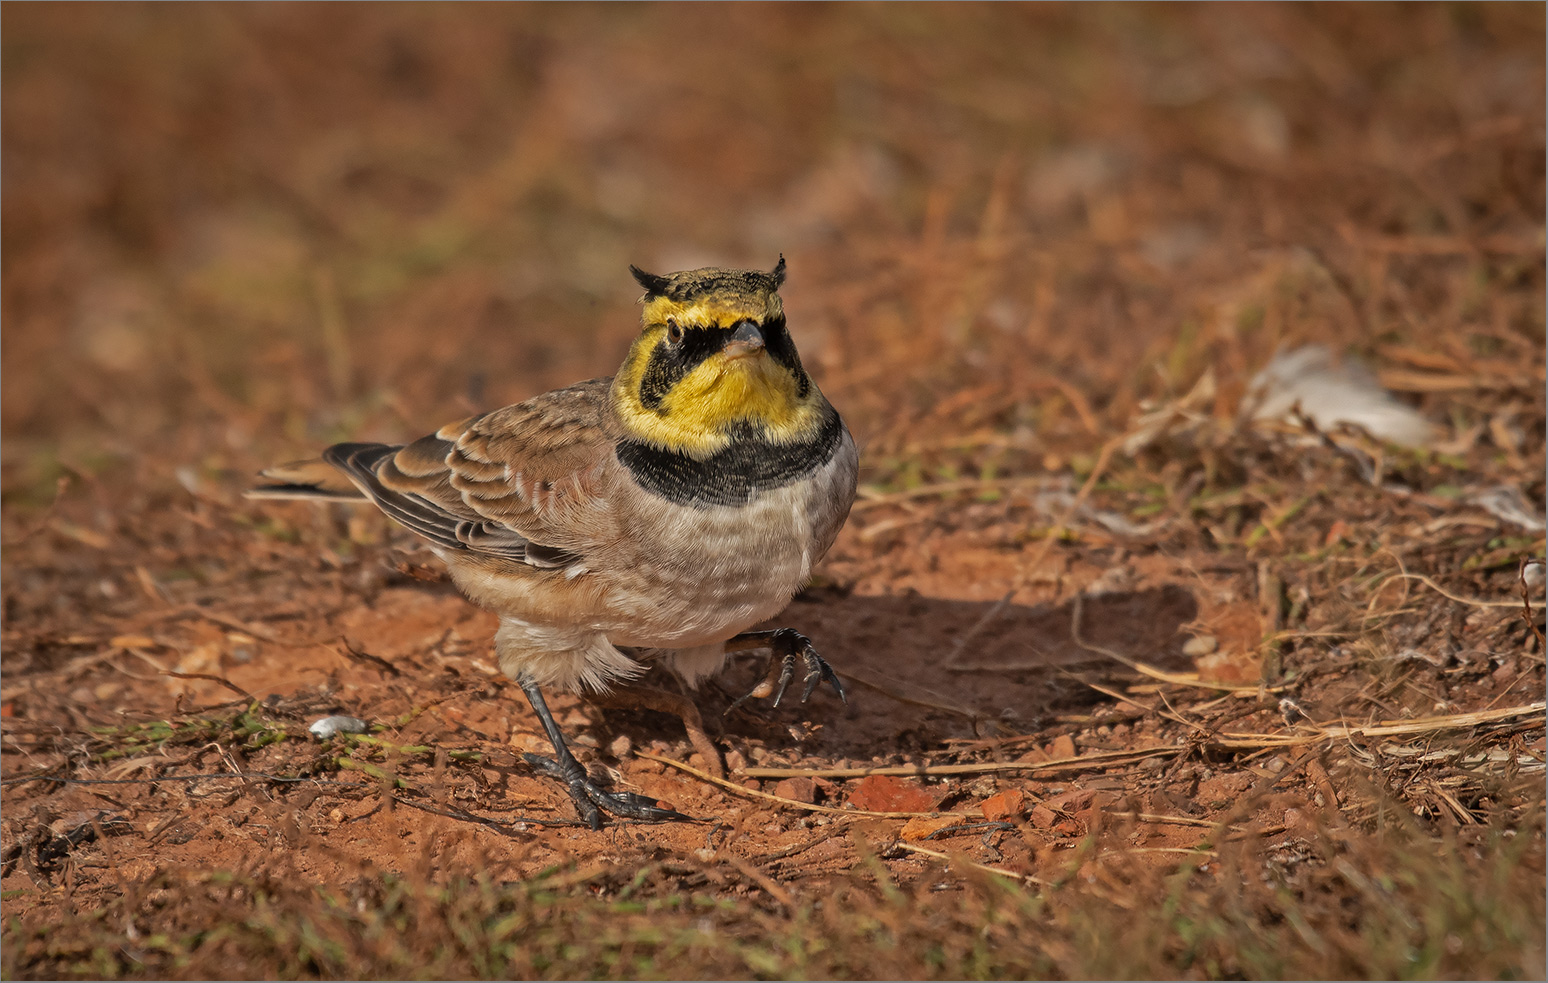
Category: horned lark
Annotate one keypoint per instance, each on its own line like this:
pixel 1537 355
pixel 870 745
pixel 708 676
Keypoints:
pixel 655 515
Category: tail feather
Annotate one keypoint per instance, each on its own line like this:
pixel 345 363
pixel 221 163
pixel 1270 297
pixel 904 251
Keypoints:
pixel 314 479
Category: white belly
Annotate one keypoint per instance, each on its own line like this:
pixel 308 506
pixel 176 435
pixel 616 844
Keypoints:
pixel 716 571
pixel 700 577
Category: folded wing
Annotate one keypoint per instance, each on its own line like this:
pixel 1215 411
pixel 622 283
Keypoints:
pixel 522 483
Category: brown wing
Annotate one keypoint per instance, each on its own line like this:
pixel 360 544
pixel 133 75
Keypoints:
pixel 523 482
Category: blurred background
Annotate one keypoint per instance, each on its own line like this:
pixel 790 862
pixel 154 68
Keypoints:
pixel 1038 254
pixel 238 231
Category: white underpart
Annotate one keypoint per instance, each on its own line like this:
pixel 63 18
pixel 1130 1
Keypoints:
pixel 694 665
pixel 569 658
pixel 800 520
pixel 712 572
pixel 706 575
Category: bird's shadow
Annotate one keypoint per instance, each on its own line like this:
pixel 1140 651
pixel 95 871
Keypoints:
pixel 919 670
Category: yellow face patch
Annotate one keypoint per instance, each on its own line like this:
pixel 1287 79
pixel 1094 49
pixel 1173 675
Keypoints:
pixel 697 413
pixel 683 390
pixel 713 310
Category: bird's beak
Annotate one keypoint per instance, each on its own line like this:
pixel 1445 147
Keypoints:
pixel 745 340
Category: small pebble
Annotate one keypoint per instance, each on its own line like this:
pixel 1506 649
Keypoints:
pixel 1200 645
pixel 799 789
pixel 338 724
pixel 244 647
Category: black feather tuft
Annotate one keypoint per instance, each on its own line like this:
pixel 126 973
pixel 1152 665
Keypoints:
pixel 778 275
pixel 653 283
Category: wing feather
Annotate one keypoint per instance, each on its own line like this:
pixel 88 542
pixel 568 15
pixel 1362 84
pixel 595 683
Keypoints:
pixel 523 483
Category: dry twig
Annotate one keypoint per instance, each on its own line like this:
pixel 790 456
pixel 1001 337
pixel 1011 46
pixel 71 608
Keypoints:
pixel 1526 600
pixel 1096 759
pixel 1144 668
pixel 793 803
pixel 939 855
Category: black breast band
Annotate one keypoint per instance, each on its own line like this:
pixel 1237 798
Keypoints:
pixel 751 464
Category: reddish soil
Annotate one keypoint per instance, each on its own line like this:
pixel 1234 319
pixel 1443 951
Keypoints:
pixel 233 238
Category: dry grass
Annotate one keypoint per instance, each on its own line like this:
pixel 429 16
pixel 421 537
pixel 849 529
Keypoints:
pixel 1036 252
pixel 1408 907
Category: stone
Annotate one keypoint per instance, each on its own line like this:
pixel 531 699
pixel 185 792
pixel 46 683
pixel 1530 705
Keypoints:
pixel 923 827
pixel 798 789
pixel 1072 801
pixel 883 793
pixel 1008 805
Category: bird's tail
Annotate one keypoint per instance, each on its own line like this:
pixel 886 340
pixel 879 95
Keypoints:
pixel 314 479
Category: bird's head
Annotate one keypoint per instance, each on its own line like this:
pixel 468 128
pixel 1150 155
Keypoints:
pixel 713 357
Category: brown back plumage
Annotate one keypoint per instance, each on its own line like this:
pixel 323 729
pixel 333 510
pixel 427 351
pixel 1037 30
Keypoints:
pixel 518 483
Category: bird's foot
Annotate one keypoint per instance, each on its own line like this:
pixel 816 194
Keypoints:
pixel 790 646
pixel 591 800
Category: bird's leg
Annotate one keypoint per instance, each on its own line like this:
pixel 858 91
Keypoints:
pixel 663 701
pixel 590 800
pixel 787 645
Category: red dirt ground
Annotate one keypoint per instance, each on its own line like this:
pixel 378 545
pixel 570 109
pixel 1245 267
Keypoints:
pixel 234 235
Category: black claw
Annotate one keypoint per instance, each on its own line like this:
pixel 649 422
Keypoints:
pixel 591 800
pixel 583 805
pixel 739 701
pixel 547 766
pixel 812 679
pixel 817 670
pixel 786 644
pixel 632 806
pixel 786 673
pixel 838 687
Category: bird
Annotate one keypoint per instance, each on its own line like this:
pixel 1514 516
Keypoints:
pixel 650 517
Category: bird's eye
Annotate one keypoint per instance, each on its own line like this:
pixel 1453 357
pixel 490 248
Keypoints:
pixel 674 331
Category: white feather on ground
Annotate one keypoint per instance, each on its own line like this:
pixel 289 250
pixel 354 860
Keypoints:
pixel 1332 392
